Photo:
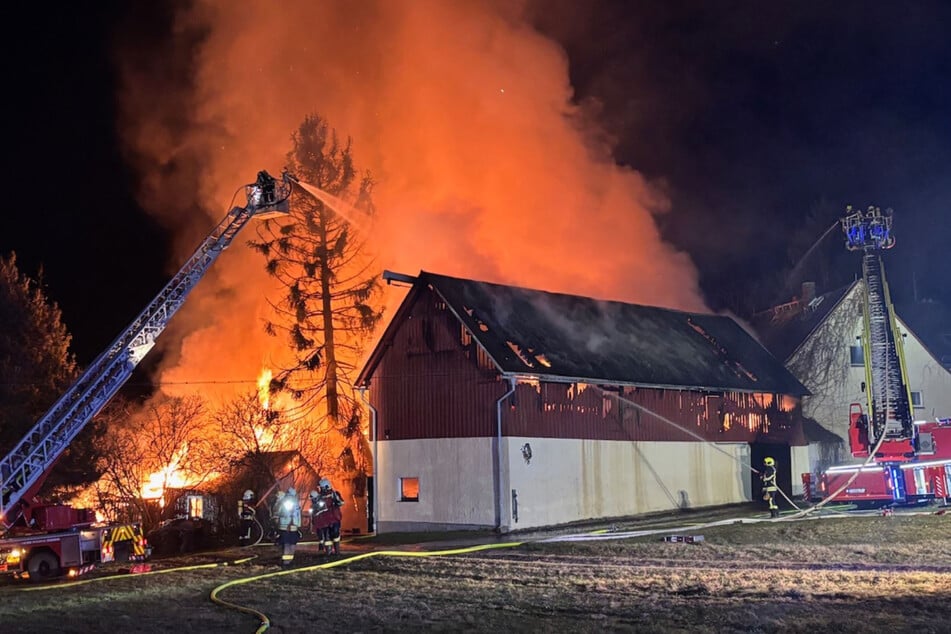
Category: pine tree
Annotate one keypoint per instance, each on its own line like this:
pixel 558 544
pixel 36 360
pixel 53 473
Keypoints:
pixel 36 365
pixel 327 309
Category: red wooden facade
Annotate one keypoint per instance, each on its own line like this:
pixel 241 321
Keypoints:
pixel 433 381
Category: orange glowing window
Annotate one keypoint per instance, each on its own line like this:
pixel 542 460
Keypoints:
pixel 409 489
pixel 196 506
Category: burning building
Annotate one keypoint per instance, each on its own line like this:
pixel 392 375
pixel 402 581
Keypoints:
pixel 502 407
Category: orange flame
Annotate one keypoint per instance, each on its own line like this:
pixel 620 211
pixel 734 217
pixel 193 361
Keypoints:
pixel 264 388
pixel 169 477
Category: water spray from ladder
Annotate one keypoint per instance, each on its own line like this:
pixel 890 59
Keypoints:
pixel 351 214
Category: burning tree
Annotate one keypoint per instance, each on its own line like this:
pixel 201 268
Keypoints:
pixel 326 310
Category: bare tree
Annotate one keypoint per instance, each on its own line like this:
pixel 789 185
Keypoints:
pixel 327 309
pixel 167 445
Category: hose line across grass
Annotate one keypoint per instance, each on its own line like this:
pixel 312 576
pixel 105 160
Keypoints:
pixel 81 582
pixel 266 622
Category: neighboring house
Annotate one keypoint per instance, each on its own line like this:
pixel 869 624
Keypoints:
pixel 819 340
pixel 508 408
pixel 931 322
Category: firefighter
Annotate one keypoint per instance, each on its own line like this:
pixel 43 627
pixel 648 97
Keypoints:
pixel 275 512
pixel 288 526
pixel 246 517
pixel 325 508
pixel 769 486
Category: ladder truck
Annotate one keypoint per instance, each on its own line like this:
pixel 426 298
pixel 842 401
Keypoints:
pixel 906 461
pixel 46 540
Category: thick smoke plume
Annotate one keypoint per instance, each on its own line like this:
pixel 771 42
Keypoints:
pixel 462 112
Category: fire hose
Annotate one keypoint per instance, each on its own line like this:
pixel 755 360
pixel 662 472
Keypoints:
pixel 266 622
pixel 57 586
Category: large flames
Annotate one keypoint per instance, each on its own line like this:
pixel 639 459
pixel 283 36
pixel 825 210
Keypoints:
pixel 458 139
pixel 169 477
pixel 264 388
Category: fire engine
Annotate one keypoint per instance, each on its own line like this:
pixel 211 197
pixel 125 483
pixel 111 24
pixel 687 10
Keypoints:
pixel 47 540
pixel 906 461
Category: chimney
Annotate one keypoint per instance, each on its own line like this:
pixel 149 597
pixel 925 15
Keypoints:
pixel 808 293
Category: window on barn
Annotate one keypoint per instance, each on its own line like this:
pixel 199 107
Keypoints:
pixel 409 489
pixel 196 506
pixel 857 355
pixel 916 401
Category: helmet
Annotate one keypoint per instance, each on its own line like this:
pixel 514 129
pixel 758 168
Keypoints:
pixel 324 483
pixel 315 494
pixel 769 462
pixel 248 495
pixel 292 492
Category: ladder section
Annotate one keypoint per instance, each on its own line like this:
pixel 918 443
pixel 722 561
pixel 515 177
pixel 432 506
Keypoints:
pixel 888 389
pixel 24 469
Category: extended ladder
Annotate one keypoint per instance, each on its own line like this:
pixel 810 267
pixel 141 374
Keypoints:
pixel 24 469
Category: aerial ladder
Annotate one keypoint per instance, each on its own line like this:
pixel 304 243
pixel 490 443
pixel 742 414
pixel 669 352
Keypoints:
pixel 906 461
pixel 889 423
pixel 26 467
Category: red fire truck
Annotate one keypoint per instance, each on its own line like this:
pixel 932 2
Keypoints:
pixel 42 540
pixel 906 461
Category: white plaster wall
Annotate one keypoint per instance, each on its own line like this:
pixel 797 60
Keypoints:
pixel 456 482
pixel 569 480
pixel 928 376
pixel 564 481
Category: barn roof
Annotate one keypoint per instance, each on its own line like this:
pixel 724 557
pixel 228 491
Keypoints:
pixel 559 337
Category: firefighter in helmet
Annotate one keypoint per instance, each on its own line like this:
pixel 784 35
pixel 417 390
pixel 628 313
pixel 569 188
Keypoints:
pixel 325 506
pixel 246 514
pixel 769 486
pixel 288 526
pixel 275 512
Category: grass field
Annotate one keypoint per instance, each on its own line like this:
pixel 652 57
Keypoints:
pixel 849 574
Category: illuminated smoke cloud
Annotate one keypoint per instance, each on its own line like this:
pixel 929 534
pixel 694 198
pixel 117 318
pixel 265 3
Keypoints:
pixel 463 114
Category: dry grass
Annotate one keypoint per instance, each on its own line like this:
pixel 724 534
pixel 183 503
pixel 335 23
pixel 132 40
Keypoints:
pixel 846 575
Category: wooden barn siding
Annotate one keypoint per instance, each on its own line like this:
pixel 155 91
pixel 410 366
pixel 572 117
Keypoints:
pixel 426 385
pixel 429 385
pixel 554 410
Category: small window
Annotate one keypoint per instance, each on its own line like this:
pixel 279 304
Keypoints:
pixel 916 401
pixel 196 506
pixel 857 355
pixel 409 489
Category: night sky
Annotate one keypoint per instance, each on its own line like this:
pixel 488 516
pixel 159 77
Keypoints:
pixel 759 120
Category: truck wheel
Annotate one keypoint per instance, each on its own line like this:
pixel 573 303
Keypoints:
pixel 42 566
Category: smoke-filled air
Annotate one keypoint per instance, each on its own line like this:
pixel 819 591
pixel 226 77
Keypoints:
pixel 462 113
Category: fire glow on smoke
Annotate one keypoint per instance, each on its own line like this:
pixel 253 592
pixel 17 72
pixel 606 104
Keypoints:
pixel 463 113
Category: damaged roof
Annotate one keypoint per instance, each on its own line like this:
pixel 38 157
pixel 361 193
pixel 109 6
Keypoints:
pixel 783 332
pixel 559 337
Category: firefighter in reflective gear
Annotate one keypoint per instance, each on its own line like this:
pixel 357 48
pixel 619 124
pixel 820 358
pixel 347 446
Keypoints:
pixel 245 517
pixel 275 512
pixel 288 526
pixel 769 485
pixel 325 518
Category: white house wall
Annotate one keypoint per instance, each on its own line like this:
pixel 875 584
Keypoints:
pixel 564 480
